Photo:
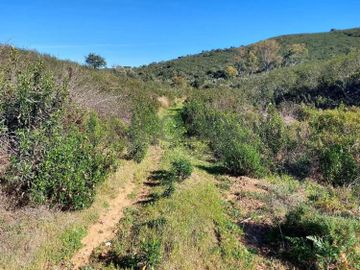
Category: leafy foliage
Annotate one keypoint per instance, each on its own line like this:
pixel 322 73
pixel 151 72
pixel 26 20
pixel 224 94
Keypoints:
pixel 182 169
pixel 320 241
pixel 144 129
pixel 338 166
pixel 229 140
pixel 95 61
pixel 53 160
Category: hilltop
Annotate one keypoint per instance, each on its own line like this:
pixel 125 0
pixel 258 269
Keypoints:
pixel 210 64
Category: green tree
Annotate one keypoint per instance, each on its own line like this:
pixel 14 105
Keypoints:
pixel 95 61
pixel 295 53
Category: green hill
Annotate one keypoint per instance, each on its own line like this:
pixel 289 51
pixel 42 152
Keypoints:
pixel 320 46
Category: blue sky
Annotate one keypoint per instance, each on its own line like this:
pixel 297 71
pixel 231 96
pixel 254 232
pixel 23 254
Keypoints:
pixel 135 32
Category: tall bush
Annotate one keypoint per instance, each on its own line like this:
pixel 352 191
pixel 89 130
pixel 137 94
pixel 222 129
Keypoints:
pixel 143 131
pixel 54 159
pixel 338 166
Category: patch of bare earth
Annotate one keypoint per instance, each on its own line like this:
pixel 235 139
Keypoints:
pixel 164 102
pixel 251 197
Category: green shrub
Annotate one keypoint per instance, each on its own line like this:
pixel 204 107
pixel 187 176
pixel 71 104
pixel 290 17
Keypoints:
pixel 55 159
pixel 32 99
pixel 181 169
pixel 138 148
pixel 69 172
pixel 151 253
pixel 273 131
pixel 144 129
pixel 317 241
pixel 243 159
pixel 338 166
pixel 233 144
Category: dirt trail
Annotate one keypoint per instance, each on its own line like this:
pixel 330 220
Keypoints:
pixel 105 228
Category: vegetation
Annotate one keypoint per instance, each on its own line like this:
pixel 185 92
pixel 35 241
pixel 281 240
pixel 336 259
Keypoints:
pixel 95 61
pixel 284 50
pixel 267 137
pixel 143 131
pixel 181 169
pixel 319 241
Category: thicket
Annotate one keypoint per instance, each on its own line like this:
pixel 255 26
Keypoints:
pixel 249 140
pixel 56 153
pixel 235 145
pixel 181 169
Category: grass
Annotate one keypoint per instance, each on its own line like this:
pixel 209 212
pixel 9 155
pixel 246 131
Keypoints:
pixel 190 229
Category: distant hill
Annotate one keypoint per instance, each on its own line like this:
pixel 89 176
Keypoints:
pixel 319 46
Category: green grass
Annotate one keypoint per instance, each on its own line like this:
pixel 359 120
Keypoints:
pixel 190 229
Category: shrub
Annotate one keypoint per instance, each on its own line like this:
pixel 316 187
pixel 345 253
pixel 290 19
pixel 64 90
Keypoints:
pixel 144 129
pixel 232 143
pixel 182 169
pixel 231 72
pixel 273 131
pixel 242 159
pixel 338 166
pixel 315 241
pixel 151 253
pixel 54 158
pixel 138 149
pixel 69 172
pixel 32 99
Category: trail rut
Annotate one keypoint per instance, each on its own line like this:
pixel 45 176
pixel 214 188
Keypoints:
pixel 105 227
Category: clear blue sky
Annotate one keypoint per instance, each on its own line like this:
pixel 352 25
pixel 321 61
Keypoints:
pixel 135 32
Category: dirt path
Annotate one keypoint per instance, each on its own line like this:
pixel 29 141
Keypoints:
pixel 105 228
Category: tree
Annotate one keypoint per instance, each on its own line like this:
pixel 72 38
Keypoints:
pixel 246 61
pixel 295 53
pixel 268 54
pixel 95 61
pixel 252 62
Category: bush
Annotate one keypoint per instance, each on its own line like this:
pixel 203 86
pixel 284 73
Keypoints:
pixel 69 172
pixel 338 166
pixel 33 99
pixel 243 159
pixel 54 159
pixel 273 131
pixel 181 169
pixel 315 241
pixel 233 144
pixel 144 129
pixel 151 253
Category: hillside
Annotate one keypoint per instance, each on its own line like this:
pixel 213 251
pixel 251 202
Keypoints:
pixel 244 158
pixel 320 46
